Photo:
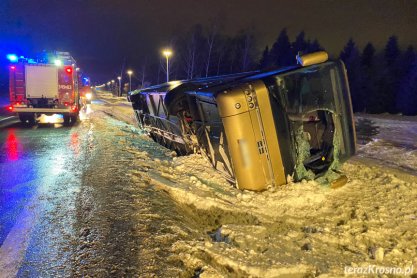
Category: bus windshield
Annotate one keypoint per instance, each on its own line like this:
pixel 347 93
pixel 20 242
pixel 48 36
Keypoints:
pixel 316 101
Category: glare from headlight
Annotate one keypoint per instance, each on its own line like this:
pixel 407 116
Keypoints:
pixel 52 119
pixel 88 96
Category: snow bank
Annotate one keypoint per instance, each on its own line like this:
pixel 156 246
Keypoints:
pixel 389 139
pixel 117 107
pixel 297 230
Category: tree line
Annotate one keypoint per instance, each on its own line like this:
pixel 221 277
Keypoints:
pixel 384 81
pixel 380 81
pixel 203 52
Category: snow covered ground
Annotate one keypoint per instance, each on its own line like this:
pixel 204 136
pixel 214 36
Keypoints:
pixel 300 229
pixel 117 107
pixel 389 139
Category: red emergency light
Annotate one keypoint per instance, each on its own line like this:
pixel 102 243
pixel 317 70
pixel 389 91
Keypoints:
pixel 12 67
pixel 10 108
pixel 68 70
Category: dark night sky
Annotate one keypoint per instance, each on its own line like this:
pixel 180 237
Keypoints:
pixel 101 33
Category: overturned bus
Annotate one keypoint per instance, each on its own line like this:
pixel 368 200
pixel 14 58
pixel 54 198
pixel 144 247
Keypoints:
pixel 259 128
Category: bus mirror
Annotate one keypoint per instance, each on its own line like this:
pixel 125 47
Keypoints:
pixel 312 58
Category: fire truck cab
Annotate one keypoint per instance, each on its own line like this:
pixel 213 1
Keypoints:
pixel 47 85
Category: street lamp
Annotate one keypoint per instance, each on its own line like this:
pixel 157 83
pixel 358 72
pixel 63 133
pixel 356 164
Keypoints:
pixel 112 86
pixel 167 53
pixel 120 85
pixel 129 72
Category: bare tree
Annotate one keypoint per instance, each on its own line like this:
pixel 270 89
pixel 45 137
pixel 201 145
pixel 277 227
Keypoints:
pixel 211 39
pixel 245 53
pixel 247 45
pixel 190 56
pixel 192 52
pixel 143 72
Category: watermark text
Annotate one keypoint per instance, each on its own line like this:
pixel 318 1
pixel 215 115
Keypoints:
pixel 374 269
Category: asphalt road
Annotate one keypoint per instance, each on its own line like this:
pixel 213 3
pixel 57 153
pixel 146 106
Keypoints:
pixel 71 205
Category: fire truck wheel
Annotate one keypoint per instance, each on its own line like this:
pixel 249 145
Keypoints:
pixel 74 119
pixel 27 119
pixel 67 119
pixel 22 118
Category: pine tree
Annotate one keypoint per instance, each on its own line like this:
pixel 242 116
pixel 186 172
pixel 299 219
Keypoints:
pixel 368 91
pixel 392 51
pixel 313 46
pixel 407 94
pixel 281 53
pixel 408 104
pixel 351 57
pixel 265 62
pixel 390 82
pixel 368 55
pixel 408 61
pixel 299 45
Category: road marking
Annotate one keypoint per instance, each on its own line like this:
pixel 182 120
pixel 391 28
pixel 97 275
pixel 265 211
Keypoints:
pixel 13 250
pixel 8 118
pixel 8 121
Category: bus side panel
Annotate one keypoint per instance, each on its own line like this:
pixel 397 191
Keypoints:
pixel 244 153
pixel 246 145
pixel 270 131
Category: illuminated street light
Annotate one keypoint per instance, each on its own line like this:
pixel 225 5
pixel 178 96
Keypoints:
pixel 167 53
pixel 12 58
pixel 120 85
pixel 129 72
pixel 58 62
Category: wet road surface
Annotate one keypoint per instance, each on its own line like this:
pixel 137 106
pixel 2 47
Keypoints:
pixel 72 203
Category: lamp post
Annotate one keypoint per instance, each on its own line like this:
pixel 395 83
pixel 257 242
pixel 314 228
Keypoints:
pixel 129 72
pixel 167 53
pixel 120 85
pixel 112 86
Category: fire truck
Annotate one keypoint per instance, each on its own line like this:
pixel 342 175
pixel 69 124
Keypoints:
pixel 46 85
pixel 85 91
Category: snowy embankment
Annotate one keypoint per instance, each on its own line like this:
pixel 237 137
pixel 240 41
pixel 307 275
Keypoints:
pixel 301 228
pixel 389 139
pixel 117 107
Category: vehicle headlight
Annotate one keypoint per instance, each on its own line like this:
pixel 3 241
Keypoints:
pixel 88 96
